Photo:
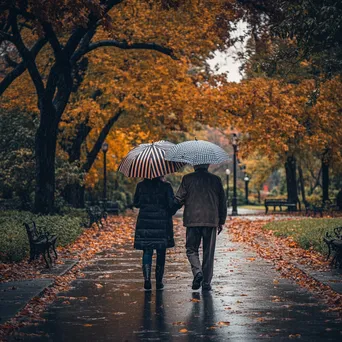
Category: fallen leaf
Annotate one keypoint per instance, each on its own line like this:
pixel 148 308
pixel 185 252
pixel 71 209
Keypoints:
pixel 87 325
pixel 183 330
pixel 295 336
pixel 178 323
pixel 223 323
pixel 195 300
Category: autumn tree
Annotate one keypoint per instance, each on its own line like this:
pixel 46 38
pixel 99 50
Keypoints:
pixel 73 29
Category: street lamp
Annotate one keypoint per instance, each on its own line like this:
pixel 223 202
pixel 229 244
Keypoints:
pixel 227 173
pixel 234 200
pixel 246 179
pixel 104 150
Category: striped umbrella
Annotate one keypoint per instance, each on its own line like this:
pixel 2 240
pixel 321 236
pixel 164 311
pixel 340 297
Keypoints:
pixel 148 161
pixel 197 152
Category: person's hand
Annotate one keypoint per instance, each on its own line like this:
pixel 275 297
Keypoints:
pixel 219 229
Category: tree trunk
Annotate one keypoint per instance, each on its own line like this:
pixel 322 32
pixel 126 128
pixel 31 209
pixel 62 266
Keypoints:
pixel 45 149
pixel 74 195
pixel 291 182
pixel 325 179
pixel 259 196
pixel 301 182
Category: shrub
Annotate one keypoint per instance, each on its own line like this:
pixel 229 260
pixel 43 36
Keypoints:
pixel 14 245
pixel 315 199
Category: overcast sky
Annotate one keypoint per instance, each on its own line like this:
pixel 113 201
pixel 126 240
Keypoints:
pixel 225 62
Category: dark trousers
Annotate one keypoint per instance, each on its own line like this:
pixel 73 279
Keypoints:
pixel 194 236
pixel 160 264
pixel 148 253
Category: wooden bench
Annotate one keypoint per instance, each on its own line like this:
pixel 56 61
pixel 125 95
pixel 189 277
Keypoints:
pixel 334 244
pixel 278 203
pixel 112 208
pixel 96 214
pixel 311 209
pixel 40 243
pixel 328 207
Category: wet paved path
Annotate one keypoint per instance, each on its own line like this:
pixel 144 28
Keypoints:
pixel 249 302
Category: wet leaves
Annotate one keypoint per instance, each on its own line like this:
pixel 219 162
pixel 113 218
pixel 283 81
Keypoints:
pixel 116 233
pixel 179 323
pixel 286 255
pixel 293 336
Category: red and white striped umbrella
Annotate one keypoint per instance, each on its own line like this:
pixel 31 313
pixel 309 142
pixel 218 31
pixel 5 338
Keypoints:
pixel 148 161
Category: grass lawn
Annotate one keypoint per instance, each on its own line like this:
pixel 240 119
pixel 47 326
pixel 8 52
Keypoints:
pixel 252 207
pixel 307 232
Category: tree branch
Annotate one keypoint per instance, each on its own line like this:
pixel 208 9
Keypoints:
pixel 125 46
pixel 79 33
pixel 102 137
pixel 26 56
pixel 19 70
pixel 53 40
pixel 84 43
pixel 10 62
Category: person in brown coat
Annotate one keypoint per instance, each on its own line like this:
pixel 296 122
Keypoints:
pixel 205 212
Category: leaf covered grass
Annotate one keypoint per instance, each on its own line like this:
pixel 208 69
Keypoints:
pixel 308 233
pixel 14 245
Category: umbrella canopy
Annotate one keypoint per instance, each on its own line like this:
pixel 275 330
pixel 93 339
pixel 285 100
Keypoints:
pixel 148 161
pixel 197 152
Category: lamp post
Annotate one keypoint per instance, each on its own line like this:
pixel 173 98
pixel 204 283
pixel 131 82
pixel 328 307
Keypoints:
pixel 227 174
pixel 246 179
pixel 104 150
pixel 234 200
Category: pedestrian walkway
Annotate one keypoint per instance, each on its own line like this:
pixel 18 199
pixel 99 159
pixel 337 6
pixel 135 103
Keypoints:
pixel 14 295
pixel 249 302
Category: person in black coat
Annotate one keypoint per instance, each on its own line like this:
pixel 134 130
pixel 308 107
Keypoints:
pixel 154 228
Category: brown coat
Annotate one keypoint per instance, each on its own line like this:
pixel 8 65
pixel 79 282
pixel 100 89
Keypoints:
pixel 204 200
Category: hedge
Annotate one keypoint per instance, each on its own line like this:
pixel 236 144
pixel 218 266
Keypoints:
pixel 14 245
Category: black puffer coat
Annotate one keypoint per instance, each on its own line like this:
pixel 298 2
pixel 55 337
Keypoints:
pixel 154 228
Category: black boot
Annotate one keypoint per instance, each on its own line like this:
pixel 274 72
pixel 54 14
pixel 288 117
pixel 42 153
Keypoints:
pixel 147 276
pixel 159 276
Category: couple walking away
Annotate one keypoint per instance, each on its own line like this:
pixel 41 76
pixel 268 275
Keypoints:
pixel 205 212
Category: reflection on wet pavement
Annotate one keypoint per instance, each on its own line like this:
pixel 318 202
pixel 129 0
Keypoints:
pixel 249 302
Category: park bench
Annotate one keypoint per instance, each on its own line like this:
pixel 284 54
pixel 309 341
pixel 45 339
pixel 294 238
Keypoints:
pixel 40 243
pixel 112 208
pixel 278 203
pixel 96 214
pixel 311 209
pixel 334 244
pixel 328 207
